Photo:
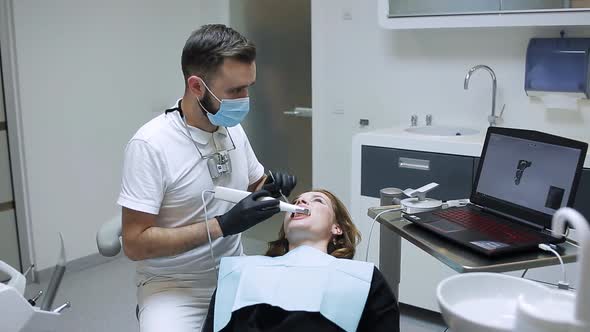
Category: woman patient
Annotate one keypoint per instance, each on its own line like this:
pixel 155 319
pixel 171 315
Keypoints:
pixel 309 282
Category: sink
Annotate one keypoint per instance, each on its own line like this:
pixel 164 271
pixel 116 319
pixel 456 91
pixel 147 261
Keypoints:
pixel 494 302
pixel 484 302
pixel 442 131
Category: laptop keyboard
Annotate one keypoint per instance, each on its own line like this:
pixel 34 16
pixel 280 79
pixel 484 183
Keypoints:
pixel 488 226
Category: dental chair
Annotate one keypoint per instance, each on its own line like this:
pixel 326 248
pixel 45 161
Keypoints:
pixel 108 241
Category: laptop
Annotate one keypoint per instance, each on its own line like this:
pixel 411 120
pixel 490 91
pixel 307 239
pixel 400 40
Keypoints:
pixel 522 179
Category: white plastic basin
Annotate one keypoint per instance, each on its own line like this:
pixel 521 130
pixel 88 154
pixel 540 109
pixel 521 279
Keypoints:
pixel 483 302
pixel 442 131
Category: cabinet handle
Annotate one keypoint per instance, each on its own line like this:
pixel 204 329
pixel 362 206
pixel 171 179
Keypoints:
pixel 410 163
pixel 300 112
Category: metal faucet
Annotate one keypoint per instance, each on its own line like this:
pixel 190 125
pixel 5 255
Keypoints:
pixel 492 119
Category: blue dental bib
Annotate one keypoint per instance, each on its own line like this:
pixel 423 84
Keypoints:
pixel 304 279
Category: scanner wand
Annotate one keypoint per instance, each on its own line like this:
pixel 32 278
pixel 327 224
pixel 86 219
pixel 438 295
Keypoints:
pixel 234 196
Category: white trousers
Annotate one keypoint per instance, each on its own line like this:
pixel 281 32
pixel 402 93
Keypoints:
pixel 177 305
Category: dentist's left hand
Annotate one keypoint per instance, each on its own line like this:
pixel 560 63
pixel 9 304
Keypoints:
pixel 247 213
pixel 278 182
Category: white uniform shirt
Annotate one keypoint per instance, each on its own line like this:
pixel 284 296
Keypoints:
pixel 164 175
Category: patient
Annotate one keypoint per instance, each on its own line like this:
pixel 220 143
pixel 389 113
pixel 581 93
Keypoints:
pixel 309 282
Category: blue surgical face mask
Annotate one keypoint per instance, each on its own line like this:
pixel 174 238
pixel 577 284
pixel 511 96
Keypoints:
pixel 231 111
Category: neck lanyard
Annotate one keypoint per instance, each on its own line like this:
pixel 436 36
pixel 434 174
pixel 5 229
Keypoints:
pixel 218 162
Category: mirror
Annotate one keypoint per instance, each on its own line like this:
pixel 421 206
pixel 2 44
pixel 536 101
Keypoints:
pixel 409 8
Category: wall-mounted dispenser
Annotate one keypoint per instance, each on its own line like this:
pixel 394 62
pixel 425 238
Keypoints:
pixel 557 71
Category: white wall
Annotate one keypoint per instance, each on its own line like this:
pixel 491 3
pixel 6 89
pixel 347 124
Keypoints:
pixel 363 71
pixel 90 74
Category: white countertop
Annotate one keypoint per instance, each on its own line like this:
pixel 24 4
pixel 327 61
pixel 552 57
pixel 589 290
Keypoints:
pixel 468 145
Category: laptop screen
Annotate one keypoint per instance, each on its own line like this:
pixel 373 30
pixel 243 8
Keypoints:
pixel 528 178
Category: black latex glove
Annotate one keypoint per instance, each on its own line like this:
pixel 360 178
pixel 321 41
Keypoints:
pixel 247 213
pixel 279 182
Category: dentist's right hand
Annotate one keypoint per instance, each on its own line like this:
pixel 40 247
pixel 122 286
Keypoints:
pixel 247 213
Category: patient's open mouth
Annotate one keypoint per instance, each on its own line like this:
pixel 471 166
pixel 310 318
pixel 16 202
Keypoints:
pixel 295 216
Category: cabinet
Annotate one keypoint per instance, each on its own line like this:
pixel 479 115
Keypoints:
pixel 420 273
pixel 404 8
pixel 384 167
pixel 424 14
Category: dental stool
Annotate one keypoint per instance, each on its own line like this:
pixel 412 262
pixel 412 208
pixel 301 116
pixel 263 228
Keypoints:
pixel 109 243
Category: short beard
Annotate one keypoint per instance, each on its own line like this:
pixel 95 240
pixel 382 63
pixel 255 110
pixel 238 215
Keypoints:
pixel 207 104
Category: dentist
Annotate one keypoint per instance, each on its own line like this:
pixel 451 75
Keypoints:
pixel 195 145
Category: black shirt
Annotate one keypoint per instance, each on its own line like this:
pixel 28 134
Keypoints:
pixel 381 313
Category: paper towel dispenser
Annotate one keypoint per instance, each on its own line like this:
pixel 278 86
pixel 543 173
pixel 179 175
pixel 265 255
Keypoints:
pixel 558 66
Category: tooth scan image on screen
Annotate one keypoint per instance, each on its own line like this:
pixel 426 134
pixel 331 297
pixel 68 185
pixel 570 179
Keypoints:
pixel 522 165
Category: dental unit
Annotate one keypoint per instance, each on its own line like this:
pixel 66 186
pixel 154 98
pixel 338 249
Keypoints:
pixel 20 314
pixel 521 305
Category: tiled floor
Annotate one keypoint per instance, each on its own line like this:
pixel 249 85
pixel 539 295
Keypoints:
pixel 103 299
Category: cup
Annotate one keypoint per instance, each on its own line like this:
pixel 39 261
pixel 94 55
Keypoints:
pixel 391 196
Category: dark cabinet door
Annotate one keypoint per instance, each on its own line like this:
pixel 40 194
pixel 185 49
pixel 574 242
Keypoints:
pixel 385 167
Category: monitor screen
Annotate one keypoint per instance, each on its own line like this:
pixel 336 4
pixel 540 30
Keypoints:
pixel 528 174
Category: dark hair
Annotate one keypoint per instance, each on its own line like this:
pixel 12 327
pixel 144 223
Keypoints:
pixel 207 47
pixel 345 246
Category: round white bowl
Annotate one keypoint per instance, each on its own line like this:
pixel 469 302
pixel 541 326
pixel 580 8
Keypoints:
pixel 483 302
